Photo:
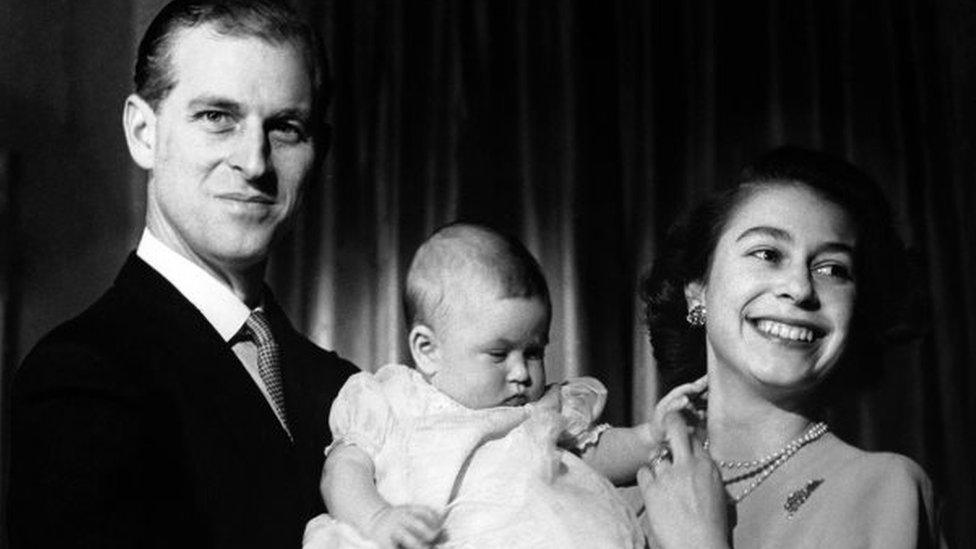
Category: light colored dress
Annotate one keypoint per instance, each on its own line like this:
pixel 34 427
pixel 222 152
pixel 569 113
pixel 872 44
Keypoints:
pixel 833 495
pixel 497 474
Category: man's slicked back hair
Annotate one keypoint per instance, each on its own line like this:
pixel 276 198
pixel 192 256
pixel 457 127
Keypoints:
pixel 269 20
pixel 458 254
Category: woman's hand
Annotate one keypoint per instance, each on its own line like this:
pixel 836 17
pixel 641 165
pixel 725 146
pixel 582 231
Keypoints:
pixel 405 526
pixel 683 492
pixel 688 398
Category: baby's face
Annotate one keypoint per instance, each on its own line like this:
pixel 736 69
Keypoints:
pixel 492 351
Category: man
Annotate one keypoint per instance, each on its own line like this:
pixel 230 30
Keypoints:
pixel 181 409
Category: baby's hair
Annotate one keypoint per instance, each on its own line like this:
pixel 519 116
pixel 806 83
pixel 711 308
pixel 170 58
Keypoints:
pixel 460 255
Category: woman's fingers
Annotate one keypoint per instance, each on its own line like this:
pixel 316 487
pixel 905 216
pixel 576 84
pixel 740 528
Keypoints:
pixel 699 384
pixel 660 456
pixel 683 396
pixel 691 389
pixel 678 435
pixel 698 448
pixel 684 499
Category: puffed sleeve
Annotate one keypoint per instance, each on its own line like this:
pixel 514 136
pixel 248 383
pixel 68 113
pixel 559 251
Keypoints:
pixel 361 415
pixel 583 399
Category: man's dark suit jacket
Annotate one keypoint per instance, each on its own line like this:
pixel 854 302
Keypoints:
pixel 135 425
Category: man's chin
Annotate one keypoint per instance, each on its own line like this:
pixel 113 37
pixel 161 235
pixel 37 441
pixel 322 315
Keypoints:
pixel 247 254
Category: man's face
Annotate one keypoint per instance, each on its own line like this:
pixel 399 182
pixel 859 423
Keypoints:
pixel 233 148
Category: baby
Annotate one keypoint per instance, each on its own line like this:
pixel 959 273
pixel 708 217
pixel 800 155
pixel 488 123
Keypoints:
pixel 470 449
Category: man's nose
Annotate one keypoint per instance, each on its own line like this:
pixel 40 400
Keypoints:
pixel 797 285
pixel 250 154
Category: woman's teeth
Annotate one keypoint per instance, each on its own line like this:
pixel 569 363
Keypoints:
pixel 785 331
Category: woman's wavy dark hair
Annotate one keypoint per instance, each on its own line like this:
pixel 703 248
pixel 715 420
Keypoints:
pixel 884 273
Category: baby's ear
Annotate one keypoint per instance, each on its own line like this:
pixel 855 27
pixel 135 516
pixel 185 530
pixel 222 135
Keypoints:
pixel 424 349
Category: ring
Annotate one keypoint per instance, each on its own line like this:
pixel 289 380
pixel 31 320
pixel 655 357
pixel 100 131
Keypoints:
pixel 663 453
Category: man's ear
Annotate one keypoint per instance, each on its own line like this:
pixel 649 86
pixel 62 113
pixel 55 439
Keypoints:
pixel 139 122
pixel 695 294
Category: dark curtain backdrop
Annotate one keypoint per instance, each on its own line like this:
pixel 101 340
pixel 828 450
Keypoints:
pixel 585 128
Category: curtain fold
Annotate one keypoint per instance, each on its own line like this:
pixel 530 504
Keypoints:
pixel 585 130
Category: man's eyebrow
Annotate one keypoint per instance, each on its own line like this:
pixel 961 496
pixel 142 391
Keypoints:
pixel 216 102
pixel 293 112
pixel 229 105
pixel 765 230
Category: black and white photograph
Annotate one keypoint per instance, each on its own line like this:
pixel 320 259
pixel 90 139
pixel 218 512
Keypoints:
pixel 384 274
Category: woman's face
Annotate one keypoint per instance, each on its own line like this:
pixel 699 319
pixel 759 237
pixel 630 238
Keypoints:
pixel 780 292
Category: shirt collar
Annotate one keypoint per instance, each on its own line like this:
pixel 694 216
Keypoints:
pixel 222 309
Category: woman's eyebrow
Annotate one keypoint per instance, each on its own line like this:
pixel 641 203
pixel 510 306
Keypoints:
pixel 836 247
pixel 765 230
pixel 784 235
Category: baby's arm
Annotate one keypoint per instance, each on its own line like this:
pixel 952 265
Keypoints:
pixel 350 494
pixel 621 451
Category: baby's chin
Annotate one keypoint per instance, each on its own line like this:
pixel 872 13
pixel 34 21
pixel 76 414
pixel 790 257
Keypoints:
pixel 517 400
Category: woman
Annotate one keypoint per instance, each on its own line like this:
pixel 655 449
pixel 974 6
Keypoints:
pixel 772 286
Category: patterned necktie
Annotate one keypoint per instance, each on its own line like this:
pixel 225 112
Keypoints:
pixel 269 358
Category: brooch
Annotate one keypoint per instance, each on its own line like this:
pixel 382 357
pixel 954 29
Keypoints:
pixel 796 499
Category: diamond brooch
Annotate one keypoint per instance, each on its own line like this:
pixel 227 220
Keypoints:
pixel 798 497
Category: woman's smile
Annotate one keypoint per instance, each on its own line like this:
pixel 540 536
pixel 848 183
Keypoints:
pixel 778 307
pixel 787 332
pixel 798 332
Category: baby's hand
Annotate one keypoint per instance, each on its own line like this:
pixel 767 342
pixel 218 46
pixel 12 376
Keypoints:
pixel 406 526
pixel 551 399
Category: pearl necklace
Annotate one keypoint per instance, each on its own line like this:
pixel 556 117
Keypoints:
pixel 763 467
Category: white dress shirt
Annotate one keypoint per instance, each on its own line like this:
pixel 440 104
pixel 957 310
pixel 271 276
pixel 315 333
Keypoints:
pixel 218 304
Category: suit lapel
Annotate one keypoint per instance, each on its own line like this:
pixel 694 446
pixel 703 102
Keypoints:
pixel 208 373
